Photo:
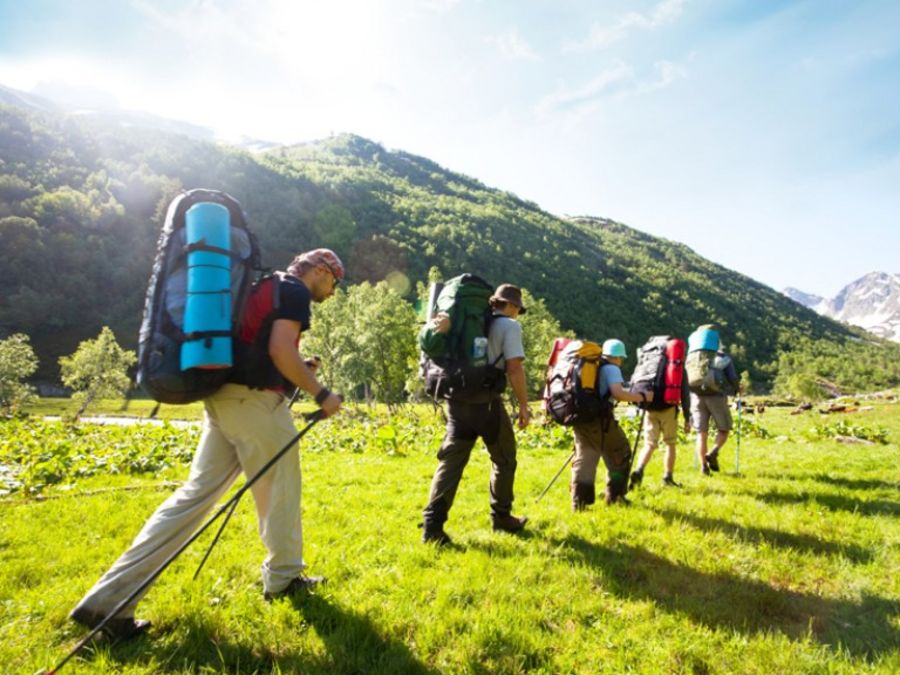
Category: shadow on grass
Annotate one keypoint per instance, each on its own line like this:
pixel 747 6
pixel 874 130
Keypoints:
pixel 838 481
pixel 722 600
pixel 353 645
pixel 865 507
pixel 353 642
pixel 799 542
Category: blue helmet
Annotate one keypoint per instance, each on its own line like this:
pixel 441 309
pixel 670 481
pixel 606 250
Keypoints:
pixel 613 347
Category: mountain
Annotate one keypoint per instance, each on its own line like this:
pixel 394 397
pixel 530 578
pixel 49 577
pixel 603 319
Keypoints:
pixel 805 299
pixel 871 302
pixel 90 103
pixel 82 199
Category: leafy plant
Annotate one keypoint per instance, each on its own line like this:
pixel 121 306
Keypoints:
pixel 846 428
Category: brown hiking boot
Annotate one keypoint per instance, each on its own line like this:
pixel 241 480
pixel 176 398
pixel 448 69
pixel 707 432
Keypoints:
pixel 509 523
pixel 300 584
pixel 115 629
pixel 713 460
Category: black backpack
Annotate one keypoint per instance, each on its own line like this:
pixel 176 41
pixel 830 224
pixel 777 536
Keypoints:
pixel 161 335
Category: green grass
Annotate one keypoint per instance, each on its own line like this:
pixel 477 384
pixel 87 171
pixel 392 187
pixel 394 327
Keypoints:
pixel 792 566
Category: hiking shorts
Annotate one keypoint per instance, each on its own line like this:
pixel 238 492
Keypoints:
pixel 662 422
pixel 712 405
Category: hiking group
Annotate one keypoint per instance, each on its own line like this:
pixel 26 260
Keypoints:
pixel 472 351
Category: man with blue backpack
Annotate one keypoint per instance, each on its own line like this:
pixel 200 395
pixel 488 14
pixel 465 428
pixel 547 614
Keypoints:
pixel 473 344
pixel 245 423
pixel 712 377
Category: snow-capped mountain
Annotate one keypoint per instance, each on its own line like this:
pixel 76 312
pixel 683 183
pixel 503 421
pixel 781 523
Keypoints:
pixel 871 302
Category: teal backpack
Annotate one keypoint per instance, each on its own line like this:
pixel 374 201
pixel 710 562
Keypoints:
pixel 455 364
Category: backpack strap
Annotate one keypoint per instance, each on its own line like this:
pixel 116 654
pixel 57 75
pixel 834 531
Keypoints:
pixel 201 245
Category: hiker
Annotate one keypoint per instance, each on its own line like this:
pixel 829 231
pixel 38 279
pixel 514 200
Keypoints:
pixel 468 420
pixel 603 437
pixel 712 376
pixel 661 419
pixel 246 422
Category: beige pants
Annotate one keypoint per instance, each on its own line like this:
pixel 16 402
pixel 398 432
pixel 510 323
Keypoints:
pixel 242 429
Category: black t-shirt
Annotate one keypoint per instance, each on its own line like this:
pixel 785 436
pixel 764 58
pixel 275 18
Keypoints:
pixel 253 365
pixel 295 302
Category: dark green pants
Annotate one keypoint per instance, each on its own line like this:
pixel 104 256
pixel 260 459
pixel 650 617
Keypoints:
pixel 466 422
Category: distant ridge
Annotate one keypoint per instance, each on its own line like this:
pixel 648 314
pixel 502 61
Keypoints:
pixel 871 302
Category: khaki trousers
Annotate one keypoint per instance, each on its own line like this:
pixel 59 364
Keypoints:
pixel 242 429
pixel 593 442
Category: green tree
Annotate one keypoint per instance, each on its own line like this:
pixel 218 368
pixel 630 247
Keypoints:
pixel 365 336
pixel 97 369
pixel 17 362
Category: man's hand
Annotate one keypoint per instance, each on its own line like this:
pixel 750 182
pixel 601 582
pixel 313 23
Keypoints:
pixel 649 396
pixel 524 416
pixel 440 322
pixel 687 425
pixel 331 405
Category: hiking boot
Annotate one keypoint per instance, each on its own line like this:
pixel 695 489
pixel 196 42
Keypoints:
pixel 437 536
pixel 705 470
pixel 115 629
pixel 612 498
pixel 713 460
pixel 300 584
pixel 668 481
pixel 509 523
pixel 583 495
pixel 636 478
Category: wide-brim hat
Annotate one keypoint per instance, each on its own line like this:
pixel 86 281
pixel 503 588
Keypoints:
pixel 511 294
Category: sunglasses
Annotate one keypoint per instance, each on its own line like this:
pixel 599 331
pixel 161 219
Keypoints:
pixel 334 275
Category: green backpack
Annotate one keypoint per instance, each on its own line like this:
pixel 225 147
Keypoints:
pixel 706 372
pixel 455 364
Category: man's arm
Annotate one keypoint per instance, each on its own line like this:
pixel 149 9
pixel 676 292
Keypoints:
pixel 515 371
pixel 287 359
pixel 620 393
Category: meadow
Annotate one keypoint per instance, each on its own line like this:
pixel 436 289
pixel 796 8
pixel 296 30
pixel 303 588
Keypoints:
pixel 793 565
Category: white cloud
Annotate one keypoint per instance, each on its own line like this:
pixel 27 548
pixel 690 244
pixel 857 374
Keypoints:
pixel 565 97
pixel 513 46
pixel 617 83
pixel 602 35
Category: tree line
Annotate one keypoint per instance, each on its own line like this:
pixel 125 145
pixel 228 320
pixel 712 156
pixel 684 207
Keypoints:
pixel 81 204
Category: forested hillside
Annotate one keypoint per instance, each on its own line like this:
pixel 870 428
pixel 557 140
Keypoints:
pixel 81 206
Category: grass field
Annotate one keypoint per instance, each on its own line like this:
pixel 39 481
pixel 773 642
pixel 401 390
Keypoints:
pixel 791 567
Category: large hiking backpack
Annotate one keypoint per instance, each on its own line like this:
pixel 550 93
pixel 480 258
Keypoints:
pixel 706 372
pixel 571 394
pixel 162 335
pixel 660 369
pixel 456 362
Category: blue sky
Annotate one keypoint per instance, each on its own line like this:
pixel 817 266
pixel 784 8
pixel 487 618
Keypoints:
pixel 763 134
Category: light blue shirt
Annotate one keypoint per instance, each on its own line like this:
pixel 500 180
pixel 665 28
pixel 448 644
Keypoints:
pixel 610 374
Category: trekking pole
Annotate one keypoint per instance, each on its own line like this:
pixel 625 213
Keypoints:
pixel 230 504
pixel 636 441
pixel 737 447
pixel 550 484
